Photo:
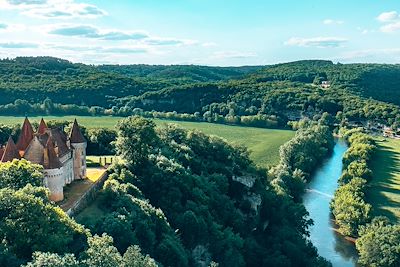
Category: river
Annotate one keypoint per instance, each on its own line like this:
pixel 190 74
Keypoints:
pixel 330 245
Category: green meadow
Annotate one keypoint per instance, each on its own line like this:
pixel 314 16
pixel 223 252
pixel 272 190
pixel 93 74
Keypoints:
pixel 263 143
pixel 384 189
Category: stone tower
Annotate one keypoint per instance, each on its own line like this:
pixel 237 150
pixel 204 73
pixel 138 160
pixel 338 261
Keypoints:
pixel 79 144
pixel 53 170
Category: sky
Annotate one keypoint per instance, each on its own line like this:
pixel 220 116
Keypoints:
pixel 203 32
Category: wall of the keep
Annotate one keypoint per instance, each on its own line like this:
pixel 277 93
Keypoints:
pixel 54 181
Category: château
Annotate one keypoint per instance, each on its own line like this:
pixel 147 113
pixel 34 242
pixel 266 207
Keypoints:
pixel 63 157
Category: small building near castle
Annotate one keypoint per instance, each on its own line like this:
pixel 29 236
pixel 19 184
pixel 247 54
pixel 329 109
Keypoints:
pixel 62 156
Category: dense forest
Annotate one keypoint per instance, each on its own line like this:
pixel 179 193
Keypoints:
pixel 265 96
pixel 176 198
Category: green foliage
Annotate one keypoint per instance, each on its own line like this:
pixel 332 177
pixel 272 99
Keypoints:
pixel 18 173
pixel 7 258
pixel 101 141
pixel 136 137
pixel 349 205
pixel 29 222
pixel 300 156
pixel 265 96
pixel 206 212
pixel 379 244
pixel 47 259
pixel 134 258
pixel 101 252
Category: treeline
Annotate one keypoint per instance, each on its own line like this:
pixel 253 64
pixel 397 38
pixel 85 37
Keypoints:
pixel 37 78
pixel 349 205
pixel 284 100
pixel 100 141
pixel 378 240
pixel 213 203
pixel 300 156
pixel 275 93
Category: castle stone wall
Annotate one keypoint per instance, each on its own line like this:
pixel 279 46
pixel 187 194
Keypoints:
pixel 54 180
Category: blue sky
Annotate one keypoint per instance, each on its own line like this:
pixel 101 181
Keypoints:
pixel 206 32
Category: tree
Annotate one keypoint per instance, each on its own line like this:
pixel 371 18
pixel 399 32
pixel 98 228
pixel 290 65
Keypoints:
pixel 379 244
pixel 46 259
pixel 101 252
pixel 136 138
pixel 134 258
pixel 101 141
pixel 18 173
pixel 30 222
pixel 349 207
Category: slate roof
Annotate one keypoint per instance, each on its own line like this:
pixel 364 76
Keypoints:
pixel 35 150
pixel 10 151
pixel 50 158
pixel 26 135
pixel 76 135
pixel 42 127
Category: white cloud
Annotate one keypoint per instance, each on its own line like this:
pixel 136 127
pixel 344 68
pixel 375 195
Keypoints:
pixel 158 41
pixel 233 55
pixel 88 31
pixel 18 45
pixel 391 27
pixel 320 42
pixel 48 9
pixel 92 32
pixel 209 44
pixel 388 16
pixel 384 55
pixel 391 21
pixel 100 49
pixel 332 22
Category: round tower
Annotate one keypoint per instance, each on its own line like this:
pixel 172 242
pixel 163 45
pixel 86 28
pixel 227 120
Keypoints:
pixel 54 181
pixel 53 172
pixel 78 144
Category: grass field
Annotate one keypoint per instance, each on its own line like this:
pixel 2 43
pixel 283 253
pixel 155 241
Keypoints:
pixel 384 189
pixel 263 143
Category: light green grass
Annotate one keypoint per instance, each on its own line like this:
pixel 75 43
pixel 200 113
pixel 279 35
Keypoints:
pixel 263 143
pixel 384 189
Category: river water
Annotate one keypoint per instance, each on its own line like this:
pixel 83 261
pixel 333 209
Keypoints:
pixel 330 245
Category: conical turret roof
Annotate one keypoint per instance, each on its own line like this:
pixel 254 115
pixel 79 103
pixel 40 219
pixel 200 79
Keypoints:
pixel 42 127
pixel 34 152
pixel 10 152
pixel 26 135
pixel 76 135
pixel 50 160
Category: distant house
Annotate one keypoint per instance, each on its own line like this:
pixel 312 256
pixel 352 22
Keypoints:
pixel 325 84
pixel 388 132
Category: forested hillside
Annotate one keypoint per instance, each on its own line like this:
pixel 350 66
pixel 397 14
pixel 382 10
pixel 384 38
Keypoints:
pixel 259 96
pixel 176 198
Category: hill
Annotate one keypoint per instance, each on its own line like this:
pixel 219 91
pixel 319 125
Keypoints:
pixel 272 94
